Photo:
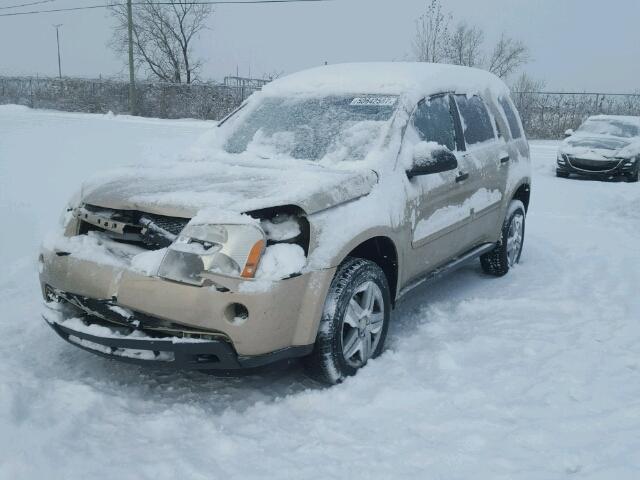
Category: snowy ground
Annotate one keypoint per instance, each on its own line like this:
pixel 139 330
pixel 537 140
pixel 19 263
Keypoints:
pixel 535 375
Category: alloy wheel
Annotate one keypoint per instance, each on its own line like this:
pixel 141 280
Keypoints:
pixel 363 324
pixel 515 238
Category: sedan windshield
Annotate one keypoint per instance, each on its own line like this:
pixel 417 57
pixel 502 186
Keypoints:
pixel 326 128
pixel 617 128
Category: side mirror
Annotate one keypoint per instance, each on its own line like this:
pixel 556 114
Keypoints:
pixel 429 158
pixel 568 132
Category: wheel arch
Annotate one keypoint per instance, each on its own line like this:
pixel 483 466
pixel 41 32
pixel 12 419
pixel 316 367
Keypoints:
pixel 380 249
pixel 523 193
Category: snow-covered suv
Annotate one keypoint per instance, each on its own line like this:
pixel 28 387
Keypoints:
pixel 297 225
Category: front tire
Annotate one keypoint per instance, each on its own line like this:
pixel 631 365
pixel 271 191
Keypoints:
pixel 509 248
pixel 354 323
pixel 561 174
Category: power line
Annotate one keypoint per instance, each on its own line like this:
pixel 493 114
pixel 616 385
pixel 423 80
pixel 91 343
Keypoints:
pixel 27 4
pixel 215 2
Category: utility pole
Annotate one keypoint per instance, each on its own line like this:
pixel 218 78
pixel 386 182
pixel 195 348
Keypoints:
pixel 133 108
pixel 57 27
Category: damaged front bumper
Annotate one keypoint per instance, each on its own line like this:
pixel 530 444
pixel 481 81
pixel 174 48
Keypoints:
pixel 138 347
pixel 152 320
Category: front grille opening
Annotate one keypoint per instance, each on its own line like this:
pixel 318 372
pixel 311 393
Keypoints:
pixel 146 230
pixel 593 165
pixel 106 313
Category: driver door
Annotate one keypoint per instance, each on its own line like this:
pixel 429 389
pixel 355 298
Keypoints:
pixel 438 220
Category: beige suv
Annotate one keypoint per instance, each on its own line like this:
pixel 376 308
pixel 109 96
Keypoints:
pixel 297 224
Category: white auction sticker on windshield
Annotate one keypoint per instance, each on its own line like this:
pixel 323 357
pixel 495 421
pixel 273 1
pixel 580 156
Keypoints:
pixel 375 100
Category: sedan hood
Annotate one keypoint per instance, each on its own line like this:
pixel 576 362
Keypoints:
pixel 594 148
pixel 182 189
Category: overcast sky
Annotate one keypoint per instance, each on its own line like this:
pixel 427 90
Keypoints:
pixel 576 44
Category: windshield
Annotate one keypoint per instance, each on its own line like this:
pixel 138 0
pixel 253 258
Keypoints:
pixel 326 128
pixel 617 128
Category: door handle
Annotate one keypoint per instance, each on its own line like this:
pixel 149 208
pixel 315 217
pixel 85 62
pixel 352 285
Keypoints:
pixel 462 177
pixel 505 159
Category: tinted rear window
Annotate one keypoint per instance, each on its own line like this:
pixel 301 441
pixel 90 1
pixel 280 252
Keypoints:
pixel 476 121
pixel 512 118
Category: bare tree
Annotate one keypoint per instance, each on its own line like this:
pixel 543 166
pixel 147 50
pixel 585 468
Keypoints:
pixel 432 33
pixel 526 92
pixel 507 56
pixel 163 36
pixel 464 45
pixel 433 42
pixel 526 84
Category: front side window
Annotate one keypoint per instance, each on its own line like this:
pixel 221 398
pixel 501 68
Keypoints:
pixel 512 117
pixel 476 121
pixel 332 128
pixel 434 122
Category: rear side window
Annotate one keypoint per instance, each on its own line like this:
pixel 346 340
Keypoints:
pixel 512 117
pixel 476 122
pixel 434 122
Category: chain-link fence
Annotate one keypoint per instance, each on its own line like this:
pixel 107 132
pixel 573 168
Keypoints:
pixel 549 114
pixel 161 100
pixel 544 114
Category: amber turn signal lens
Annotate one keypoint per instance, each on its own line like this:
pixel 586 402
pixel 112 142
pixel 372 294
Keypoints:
pixel 252 261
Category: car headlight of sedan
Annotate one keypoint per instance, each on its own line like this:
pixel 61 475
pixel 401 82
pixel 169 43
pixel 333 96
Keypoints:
pixel 626 161
pixel 203 250
pixel 560 159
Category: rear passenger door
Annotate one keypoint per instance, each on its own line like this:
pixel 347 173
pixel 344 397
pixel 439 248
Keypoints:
pixel 486 159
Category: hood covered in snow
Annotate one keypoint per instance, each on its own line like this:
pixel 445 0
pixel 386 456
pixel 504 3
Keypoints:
pixel 182 189
pixel 598 147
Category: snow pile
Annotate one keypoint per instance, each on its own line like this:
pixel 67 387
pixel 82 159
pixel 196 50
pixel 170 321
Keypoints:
pixel 280 261
pixel 283 227
pixel 149 262
pixel 92 247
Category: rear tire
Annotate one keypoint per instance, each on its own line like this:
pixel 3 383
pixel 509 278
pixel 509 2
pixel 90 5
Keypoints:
pixel 509 248
pixel 354 323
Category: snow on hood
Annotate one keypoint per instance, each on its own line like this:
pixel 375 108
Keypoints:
pixel 184 188
pixel 600 147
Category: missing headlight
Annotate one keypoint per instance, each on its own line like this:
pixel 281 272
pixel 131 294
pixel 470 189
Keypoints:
pixel 286 224
pixel 281 228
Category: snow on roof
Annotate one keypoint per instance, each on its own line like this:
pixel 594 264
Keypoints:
pixel 415 80
pixel 620 118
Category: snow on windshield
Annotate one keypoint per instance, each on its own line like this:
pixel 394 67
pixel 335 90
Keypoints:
pixel 330 129
pixel 615 127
